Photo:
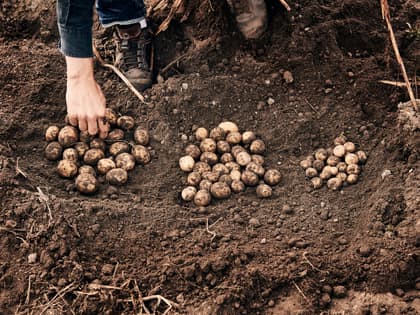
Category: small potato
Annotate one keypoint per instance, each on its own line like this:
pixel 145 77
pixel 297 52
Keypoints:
pixel 208 145
pixel 141 154
pixel 211 176
pixel 310 158
pixel 117 176
pixel 264 191
pixel 186 163
pixel 221 169
pixel 235 175
pixel 321 154
pixel 220 190
pixel 202 198
pixel 330 151
pixel 188 193
pixel 67 168
pixel 70 154
pixel 352 179
pixel 351 158
pixel 248 137
pixel 229 126
pixel 259 159
pixel 342 176
pixel 87 169
pixel 205 184
pixel 305 164
pixel 141 136
pixel 118 148
pixel 325 174
pixel 53 151
pixel 334 183
pixel 234 138
pixel 236 150
pixel 193 151
pixel 332 170
pixel 105 165
pixel 86 183
pixel 257 147
pixel 125 122
pixel 226 157
pixel 340 140
pixel 125 161
pixel 342 167
pixel 316 182
pixel 111 116
pixel 237 186
pixel 193 179
pixel 217 134
pixel 339 151
pixel 318 165
pixel 222 146
pixel 92 156
pixel 225 179
pixel 98 143
pixel 243 158
pixel 85 137
pixel 201 167
pixel 115 135
pixel 51 133
pixel 68 136
pixel 311 172
pixel 349 147
pixel 272 177
pixel 362 157
pixel 209 158
pixel 233 166
pixel 256 168
pixel 333 160
pixel 249 178
pixel 81 148
pixel 353 169
pixel 201 134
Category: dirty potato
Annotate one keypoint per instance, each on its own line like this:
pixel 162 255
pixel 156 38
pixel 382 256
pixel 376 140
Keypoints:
pixel 318 165
pixel 202 198
pixel 229 126
pixel 340 140
pixel 321 154
pixel 272 177
pixel 51 133
pixel 256 168
pixel 259 159
pixel 201 167
pixel 236 150
pixel 193 151
pixel 305 164
pixel 334 183
pixel 186 163
pixel 125 161
pixel 125 122
pixel 333 160
pixel 226 157
pixel 188 193
pixel 105 165
pixel 81 148
pixel 209 158
pixel 117 176
pixel 352 179
pixel 217 134
pixel 233 138
pixel 362 156
pixel 353 169
pixel 68 136
pixel 67 168
pixel 316 182
pixel 92 156
pixel 70 154
pixel 248 137
pixel 220 190
pixel 141 154
pixel 222 146
pixel 85 137
pixel 193 179
pixel 86 183
pixel 118 148
pixel 201 134
pixel 339 151
pixel 115 135
pixel 349 147
pixel 237 186
pixel 53 151
pixel 220 168
pixel 225 178
pixel 141 136
pixel 235 175
pixel 205 184
pixel 257 147
pixel 351 158
pixel 264 191
pixel 208 145
pixel 243 158
pixel 249 178
pixel 233 166
pixel 111 116
pixel 211 176
pixel 87 169
pixel 98 143
pixel 311 172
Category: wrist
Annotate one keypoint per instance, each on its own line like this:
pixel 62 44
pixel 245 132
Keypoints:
pixel 79 68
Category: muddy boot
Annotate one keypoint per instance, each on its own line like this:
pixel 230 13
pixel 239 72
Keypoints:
pixel 133 54
pixel 251 16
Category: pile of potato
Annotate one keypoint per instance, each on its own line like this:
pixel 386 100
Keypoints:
pixel 86 157
pixel 225 161
pixel 337 167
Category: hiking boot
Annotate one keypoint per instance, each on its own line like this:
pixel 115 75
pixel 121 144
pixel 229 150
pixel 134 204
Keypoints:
pixel 251 17
pixel 133 54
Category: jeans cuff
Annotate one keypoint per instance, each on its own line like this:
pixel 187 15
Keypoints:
pixel 76 42
pixel 141 20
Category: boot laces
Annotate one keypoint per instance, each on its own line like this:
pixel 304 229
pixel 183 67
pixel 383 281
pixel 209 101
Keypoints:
pixel 134 53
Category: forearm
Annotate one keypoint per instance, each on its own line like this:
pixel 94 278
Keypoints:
pixel 79 68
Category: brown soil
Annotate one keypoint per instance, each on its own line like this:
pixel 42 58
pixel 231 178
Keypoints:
pixel 102 254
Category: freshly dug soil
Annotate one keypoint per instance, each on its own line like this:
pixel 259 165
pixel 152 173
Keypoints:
pixel 303 251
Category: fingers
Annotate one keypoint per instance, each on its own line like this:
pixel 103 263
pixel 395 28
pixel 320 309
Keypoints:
pixel 103 128
pixel 92 125
pixel 83 124
pixel 72 120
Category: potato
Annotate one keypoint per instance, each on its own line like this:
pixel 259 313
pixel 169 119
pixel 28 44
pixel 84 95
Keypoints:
pixel 272 177
pixel 92 156
pixel 141 154
pixel 257 147
pixel 201 167
pixel 188 193
pixel 334 183
pixel 217 134
pixel 264 191
pixel 193 179
pixel 225 179
pixel 125 122
pixel 186 163
pixel 310 158
pixel 81 148
pixel 248 137
pixel 105 165
pixel 111 116
pixel 321 154
pixel 305 164
pixel 237 186
pixel 118 148
pixel 235 175
pixel 233 166
pixel 86 183
pixel 318 165
pixel 339 151
pixel 362 157
pixel 351 158
pixel 333 160
pixel 202 198
pixel 85 137
pixel 53 151
pixel 353 169
pixel 234 138
pixel 349 147
pixel 208 145
pixel 332 170
pixel 342 167
pixel 340 140
pixel 117 176
pixel 193 151
pixel 316 182
pixel 222 146
pixel 205 184
pixel 70 154
pixel 87 169
pixel 226 157
pixel 249 178
pixel 68 136
pixel 342 176
pixel 325 174
pixel 51 133
pixel 256 168
pixel 201 134
pixel 221 169
pixel 311 172
pixel 243 158
pixel 211 176
pixel 125 161
pixel 229 126
pixel 67 168
pixel 209 158
pixel 220 190
pixel 141 136
pixel 330 151
pixel 259 159
pixel 115 135
pixel 98 143
pixel 352 178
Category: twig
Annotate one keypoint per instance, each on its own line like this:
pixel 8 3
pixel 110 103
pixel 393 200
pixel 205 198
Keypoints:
pixel 161 298
pixel 399 84
pixel 301 292
pixel 284 3
pixel 18 169
pixel 119 73
pixel 44 199
pixel 386 15
pixel 310 105
pixel 208 227
pixel 176 60
pixel 311 264
pixel 28 292
pixel 165 24
pixel 59 294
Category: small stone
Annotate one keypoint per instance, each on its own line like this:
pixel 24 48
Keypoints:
pixel 350 74
pixel 365 250
pixel 263 241
pixel 107 269
pixel 343 241
pixel 288 77
pixel 160 79
pixel 339 291
pixel 185 86
pixel 385 174
pixel 184 137
pixel 328 90
pixel 270 101
pixel 271 303
pixel 399 292
pixel 286 209
pixel 32 258
pixel 322 204
pixel 325 300
pixel 254 222
pixel 325 214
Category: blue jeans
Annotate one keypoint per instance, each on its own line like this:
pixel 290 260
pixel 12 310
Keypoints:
pixel 74 19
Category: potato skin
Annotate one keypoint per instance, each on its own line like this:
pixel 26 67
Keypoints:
pixel 234 138
pixel 51 133
pixel 98 143
pixel 186 163
pixel 193 151
pixel 264 191
pixel 53 151
pixel 68 136
pixel 115 135
pixel 86 183
pixel 125 161
pixel 209 158
pixel 243 158
pixel 220 190
pixel 249 178
pixel 226 157
pixel 84 136
pixel 217 134
pixel 257 147
pixel 118 148
pixel 205 184
pixel 193 179
pixel 201 134
pixel 111 116
pixel 87 169
pixel 208 145
pixel 92 156
pixel 188 193
pixel 141 136
pixel 105 165
pixel 229 126
pixel 237 186
pixel 272 177
pixel 248 137
pixel 141 154
pixel 70 154
pixel 81 148
pixel 67 168
pixel 117 176
pixel 125 122
pixel 222 146
pixel 202 198
pixel 257 169
pixel 201 167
